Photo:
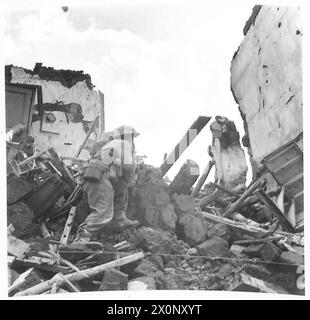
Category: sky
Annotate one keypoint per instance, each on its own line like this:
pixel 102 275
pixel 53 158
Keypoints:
pixel 159 64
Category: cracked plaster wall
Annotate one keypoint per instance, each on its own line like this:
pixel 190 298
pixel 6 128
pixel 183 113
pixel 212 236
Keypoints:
pixel 266 79
pixel 71 135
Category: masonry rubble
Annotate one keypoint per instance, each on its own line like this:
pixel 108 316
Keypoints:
pixel 184 242
pixel 222 235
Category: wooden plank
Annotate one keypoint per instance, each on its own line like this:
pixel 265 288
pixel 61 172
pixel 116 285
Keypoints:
pixel 87 136
pixel 101 114
pixel 58 163
pixel 75 277
pixel 242 242
pixel 29 159
pixel 69 283
pixel 202 179
pixel 248 192
pixel 274 208
pixel 281 157
pixel 66 232
pixel 26 280
pixel 251 230
pixel 185 141
pixel 38 263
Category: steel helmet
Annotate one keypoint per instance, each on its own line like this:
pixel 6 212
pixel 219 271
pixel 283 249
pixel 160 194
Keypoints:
pixel 123 130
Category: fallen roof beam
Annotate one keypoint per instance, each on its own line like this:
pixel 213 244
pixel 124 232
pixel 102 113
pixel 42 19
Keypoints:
pixel 186 140
pixel 239 202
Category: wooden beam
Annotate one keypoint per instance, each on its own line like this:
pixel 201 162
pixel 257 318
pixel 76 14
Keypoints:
pixel 256 232
pixel 274 208
pixel 202 179
pixel 29 159
pixel 39 263
pixel 87 136
pixel 58 163
pixel 185 141
pixel 66 232
pixel 74 277
pixel 275 238
pixel 101 114
pixel 238 203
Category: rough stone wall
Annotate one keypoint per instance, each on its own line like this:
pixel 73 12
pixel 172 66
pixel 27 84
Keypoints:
pixel 70 135
pixel 227 154
pixel 266 80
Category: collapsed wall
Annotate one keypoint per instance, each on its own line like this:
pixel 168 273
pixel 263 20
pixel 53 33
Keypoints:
pixel 227 154
pixel 59 129
pixel 266 79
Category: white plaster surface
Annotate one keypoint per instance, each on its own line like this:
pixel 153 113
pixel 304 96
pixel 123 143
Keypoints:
pixel 266 78
pixel 71 135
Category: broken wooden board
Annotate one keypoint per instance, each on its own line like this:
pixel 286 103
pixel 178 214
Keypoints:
pixel 250 230
pixel 274 208
pixel 26 280
pixel 202 179
pixel 245 282
pixel 75 277
pixel 247 193
pixel 58 163
pixel 244 242
pixel 66 232
pixel 37 263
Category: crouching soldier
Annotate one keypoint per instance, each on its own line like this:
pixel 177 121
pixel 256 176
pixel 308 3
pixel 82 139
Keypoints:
pixel 106 180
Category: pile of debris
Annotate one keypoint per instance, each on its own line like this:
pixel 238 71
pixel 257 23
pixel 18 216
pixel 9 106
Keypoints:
pixel 207 237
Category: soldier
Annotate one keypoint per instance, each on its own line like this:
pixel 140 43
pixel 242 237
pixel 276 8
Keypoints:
pixel 107 178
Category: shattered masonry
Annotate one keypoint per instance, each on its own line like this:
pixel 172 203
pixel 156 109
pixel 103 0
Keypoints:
pixel 222 235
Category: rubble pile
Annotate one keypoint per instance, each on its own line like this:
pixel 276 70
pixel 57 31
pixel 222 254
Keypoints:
pixel 182 242
pixel 218 235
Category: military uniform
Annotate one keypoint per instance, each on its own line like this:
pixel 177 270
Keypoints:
pixel 107 192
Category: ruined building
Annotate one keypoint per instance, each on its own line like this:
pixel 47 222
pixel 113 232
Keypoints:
pixel 266 82
pixel 57 106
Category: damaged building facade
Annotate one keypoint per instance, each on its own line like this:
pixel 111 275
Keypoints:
pixel 57 106
pixel 192 234
pixel 266 82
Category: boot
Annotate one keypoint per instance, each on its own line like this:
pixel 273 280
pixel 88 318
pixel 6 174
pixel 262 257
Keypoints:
pixel 121 221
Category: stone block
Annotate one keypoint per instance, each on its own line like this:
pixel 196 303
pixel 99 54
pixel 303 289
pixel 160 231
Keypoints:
pixel 214 247
pixel 183 205
pixel 192 229
pixel 185 178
